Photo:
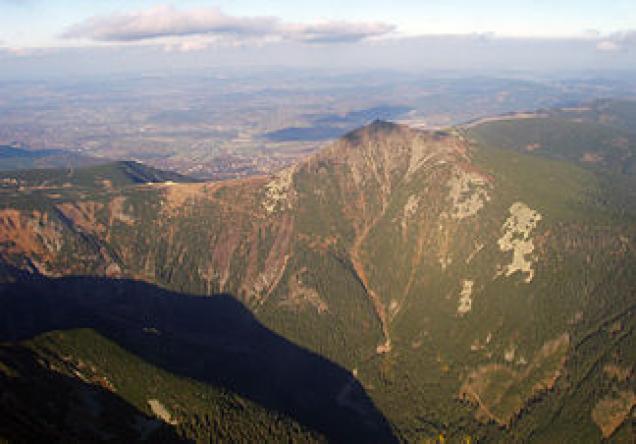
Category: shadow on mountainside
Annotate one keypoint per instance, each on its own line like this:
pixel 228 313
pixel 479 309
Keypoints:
pixel 211 339
pixel 73 410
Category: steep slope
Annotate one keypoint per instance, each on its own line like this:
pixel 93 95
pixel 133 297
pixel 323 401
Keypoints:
pixel 475 289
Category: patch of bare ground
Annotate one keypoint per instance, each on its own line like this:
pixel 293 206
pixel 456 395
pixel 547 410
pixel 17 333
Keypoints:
pixel 501 392
pixel 161 412
pixel 610 412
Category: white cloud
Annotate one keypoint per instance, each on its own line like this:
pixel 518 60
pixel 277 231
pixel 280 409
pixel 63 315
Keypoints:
pixel 169 22
pixel 619 41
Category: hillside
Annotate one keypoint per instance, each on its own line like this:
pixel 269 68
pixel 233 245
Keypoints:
pixel 456 284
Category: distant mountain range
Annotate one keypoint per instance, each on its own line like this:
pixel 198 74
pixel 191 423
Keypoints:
pixel 476 284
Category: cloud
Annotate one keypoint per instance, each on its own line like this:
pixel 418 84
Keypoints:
pixel 169 22
pixel 619 41
pixel 331 32
pixel 166 21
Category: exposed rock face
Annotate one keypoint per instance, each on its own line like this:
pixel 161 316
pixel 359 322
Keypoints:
pixel 468 193
pixel 517 239
pixel 465 298
pixel 279 192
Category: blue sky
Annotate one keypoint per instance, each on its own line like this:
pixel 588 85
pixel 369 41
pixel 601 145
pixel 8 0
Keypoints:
pixel 40 22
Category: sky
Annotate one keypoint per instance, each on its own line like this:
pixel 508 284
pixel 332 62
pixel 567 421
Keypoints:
pixel 578 33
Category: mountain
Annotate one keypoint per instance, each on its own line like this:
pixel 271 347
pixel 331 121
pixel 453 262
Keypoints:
pixel 475 284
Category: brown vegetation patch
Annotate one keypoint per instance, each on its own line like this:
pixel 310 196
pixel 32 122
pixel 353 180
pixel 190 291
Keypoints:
pixel 609 413
pixel 620 374
pixel 30 234
pixel 231 196
pixel 178 194
pixel 502 392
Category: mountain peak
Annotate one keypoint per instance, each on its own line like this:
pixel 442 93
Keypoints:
pixel 375 128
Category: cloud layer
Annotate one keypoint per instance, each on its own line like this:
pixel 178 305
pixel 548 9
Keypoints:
pixel 169 22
